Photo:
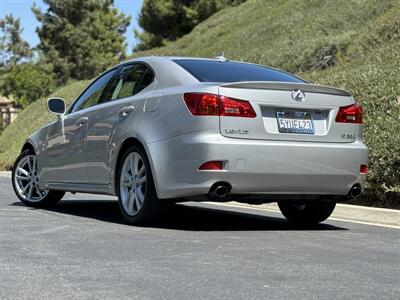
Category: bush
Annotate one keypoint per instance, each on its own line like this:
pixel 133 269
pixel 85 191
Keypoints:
pixel 375 86
pixel 28 82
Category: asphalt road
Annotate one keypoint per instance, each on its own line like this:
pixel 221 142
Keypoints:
pixel 82 249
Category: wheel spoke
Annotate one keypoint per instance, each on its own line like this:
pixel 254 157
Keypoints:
pixel 141 180
pixel 127 176
pixel 141 171
pixel 126 184
pixel 25 189
pixel 21 177
pixel 23 171
pixel 139 195
pixel 30 191
pixel 38 191
pixel 132 164
pixel 131 200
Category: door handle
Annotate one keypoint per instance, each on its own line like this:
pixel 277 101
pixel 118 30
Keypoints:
pixel 124 112
pixel 81 121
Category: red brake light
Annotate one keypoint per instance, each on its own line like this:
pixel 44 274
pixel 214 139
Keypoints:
pixel 212 165
pixel 363 169
pixel 350 114
pixel 201 104
pixel 236 108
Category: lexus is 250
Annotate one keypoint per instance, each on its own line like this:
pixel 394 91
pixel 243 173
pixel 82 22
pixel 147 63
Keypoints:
pixel 157 130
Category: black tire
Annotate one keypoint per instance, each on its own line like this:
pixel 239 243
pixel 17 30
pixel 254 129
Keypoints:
pixel 151 208
pixel 306 212
pixel 50 199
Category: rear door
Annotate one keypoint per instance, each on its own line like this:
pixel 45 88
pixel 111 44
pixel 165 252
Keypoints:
pixel 288 112
pixel 119 104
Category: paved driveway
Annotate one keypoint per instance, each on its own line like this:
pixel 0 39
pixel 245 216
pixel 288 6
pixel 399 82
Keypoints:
pixel 82 249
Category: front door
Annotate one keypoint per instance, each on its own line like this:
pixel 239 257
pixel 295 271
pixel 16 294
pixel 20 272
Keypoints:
pixel 66 138
pixel 65 141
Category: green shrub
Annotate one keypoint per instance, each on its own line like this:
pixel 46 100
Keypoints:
pixel 28 82
pixel 376 86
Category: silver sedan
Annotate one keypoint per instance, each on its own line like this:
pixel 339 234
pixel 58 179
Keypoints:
pixel 156 130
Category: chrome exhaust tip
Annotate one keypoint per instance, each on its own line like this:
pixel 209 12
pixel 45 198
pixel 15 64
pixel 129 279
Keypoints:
pixel 356 190
pixel 220 190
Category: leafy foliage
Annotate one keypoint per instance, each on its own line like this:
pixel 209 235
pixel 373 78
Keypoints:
pixel 169 19
pixel 81 38
pixel 28 82
pixel 13 48
pixel 372 75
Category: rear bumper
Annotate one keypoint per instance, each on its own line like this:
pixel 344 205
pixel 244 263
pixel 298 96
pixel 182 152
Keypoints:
pixel 255 166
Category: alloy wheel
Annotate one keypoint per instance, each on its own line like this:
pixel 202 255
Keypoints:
pixel 27 181
pixel 133 183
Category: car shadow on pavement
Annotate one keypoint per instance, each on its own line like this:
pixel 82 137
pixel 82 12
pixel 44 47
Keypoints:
pixel 184 217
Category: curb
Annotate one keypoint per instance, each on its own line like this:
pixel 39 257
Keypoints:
pixel 5 174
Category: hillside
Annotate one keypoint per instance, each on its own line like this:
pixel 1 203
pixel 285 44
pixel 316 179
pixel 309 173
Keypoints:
pixel 29 120
pixel 349 44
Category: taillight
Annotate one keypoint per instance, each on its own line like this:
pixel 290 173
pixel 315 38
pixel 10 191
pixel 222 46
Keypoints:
pixel 363 169
pixel 350 114
pixel 212 165
pixel 201 104
pixel 235 108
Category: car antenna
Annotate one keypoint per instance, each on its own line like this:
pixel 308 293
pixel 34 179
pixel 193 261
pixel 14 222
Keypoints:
pixel 221 57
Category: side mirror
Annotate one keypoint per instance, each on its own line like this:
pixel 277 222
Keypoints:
pixel 56 106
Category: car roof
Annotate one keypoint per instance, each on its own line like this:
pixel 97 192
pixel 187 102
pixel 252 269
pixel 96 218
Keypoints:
pixel 171 58
pixel 160 58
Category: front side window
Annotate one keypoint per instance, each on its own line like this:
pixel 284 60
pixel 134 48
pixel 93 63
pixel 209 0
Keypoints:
pixel 131 80
pixel 93 93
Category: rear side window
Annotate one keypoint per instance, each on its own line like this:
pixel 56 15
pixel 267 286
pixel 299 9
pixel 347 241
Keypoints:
pixel 130 80
pixel 216 71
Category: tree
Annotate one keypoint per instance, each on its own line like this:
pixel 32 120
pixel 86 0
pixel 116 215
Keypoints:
pixel 81 38
pixel 13 49
pixel 27 82
pixel 169 19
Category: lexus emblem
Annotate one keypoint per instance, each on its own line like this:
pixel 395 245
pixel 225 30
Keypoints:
pixel 298 95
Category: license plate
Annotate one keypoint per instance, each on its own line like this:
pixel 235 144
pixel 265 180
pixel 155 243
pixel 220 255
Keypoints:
pixel 295 122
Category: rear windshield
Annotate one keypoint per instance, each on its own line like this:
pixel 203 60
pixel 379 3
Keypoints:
pixel 216 71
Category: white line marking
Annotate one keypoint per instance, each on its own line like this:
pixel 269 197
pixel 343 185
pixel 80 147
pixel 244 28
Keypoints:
pixel 365 223
pixel 277 211
pixel 368 208
pixel 16 209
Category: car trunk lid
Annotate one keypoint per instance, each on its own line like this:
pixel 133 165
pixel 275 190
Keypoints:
pixel 284 114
